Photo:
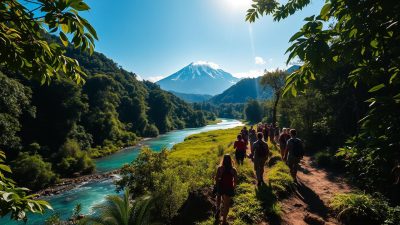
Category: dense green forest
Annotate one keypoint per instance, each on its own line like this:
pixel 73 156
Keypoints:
pixel 192 97
pixel 223 110
pixel 55 129
pixel 245 89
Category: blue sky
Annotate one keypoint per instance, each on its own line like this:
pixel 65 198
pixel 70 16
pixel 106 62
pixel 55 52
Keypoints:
pixel 157 38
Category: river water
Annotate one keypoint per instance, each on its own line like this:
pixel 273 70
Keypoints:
pixel 92 193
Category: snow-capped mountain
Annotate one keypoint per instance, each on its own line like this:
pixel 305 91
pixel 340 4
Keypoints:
pixel 199 78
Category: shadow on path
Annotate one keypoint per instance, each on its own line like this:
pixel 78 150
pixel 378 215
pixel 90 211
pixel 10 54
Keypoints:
pixel 313 201
pixel 268 199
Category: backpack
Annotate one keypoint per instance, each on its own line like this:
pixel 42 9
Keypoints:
pixel 260 149
pixel 298 148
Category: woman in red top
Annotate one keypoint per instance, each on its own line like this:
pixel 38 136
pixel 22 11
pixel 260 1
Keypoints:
pixel 240 147
pixel 225 180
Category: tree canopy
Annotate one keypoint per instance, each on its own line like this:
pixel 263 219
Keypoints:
pixel 24 26
pixel 351 47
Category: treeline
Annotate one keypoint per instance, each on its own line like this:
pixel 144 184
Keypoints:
pixel 222 110
pixel 56 129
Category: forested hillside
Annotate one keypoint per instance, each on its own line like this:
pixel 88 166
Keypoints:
pixel 192 97
pixel 54 130
pixel 249 88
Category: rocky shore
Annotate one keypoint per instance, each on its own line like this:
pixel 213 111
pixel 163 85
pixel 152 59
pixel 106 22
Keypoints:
pixel 67 184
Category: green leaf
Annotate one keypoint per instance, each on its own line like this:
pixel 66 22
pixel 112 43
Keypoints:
pixel 325 10
pixel 335 58
pixel 65 28
pixel 310 18
pixel 89 27
pixel 376 88
pixel 295 36
pixel 7 196
pixel 353 33
pixel 64 39
pixel 374 43
pixel 80 6
pixel 5 168
pixel 393 77
pixel 294 91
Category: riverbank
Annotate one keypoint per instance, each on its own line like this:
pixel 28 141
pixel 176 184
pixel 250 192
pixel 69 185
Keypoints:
pixel 67 184
pixel 103 151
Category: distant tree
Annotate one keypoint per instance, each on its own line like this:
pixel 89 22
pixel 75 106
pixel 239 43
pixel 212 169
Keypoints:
pixel 73 160
pixel 276 80
pixel 121 211
pixel 25 26
pixel 253 111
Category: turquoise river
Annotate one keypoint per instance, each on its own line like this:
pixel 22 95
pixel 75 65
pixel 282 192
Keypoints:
pixel 92 193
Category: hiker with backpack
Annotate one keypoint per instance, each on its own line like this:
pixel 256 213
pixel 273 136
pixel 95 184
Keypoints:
pixel 245 135
pixel 252 139
pixel 265 132
pixel 240 149
pixel 225 182
pixel 295 150
pixel 283 138
pixel 272 133
pixel 260 157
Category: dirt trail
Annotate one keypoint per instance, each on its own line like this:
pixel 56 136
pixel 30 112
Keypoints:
pixel 308 205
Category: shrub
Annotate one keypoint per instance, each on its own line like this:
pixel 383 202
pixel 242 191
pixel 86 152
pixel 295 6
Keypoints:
pixel 53 220
pixel 150 131
pixel 73 160
pixel 357 208
pixel 171 193
pixel 328 159
pixel 393 216
pixel 138 175
pixel 32 172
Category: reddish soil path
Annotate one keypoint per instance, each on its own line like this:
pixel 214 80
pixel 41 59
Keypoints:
pixel 309 203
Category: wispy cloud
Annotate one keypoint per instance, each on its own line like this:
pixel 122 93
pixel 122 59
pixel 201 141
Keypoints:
pixel 259 60
pixel 154 78
pixel 249 74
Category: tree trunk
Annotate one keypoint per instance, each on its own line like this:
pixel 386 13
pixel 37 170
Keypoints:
pixel 277 97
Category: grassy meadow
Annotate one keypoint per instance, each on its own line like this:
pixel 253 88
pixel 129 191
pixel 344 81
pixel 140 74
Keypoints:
pixel 196 160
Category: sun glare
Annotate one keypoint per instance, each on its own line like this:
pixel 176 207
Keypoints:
pixel 238 4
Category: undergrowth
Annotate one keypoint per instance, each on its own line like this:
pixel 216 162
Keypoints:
pixel 359 208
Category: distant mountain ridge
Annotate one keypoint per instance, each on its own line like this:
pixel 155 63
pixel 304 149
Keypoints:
pixel 245 89
pixel 199 78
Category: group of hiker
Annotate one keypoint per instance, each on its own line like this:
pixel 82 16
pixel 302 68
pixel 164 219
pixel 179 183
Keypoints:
pixel 291 149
